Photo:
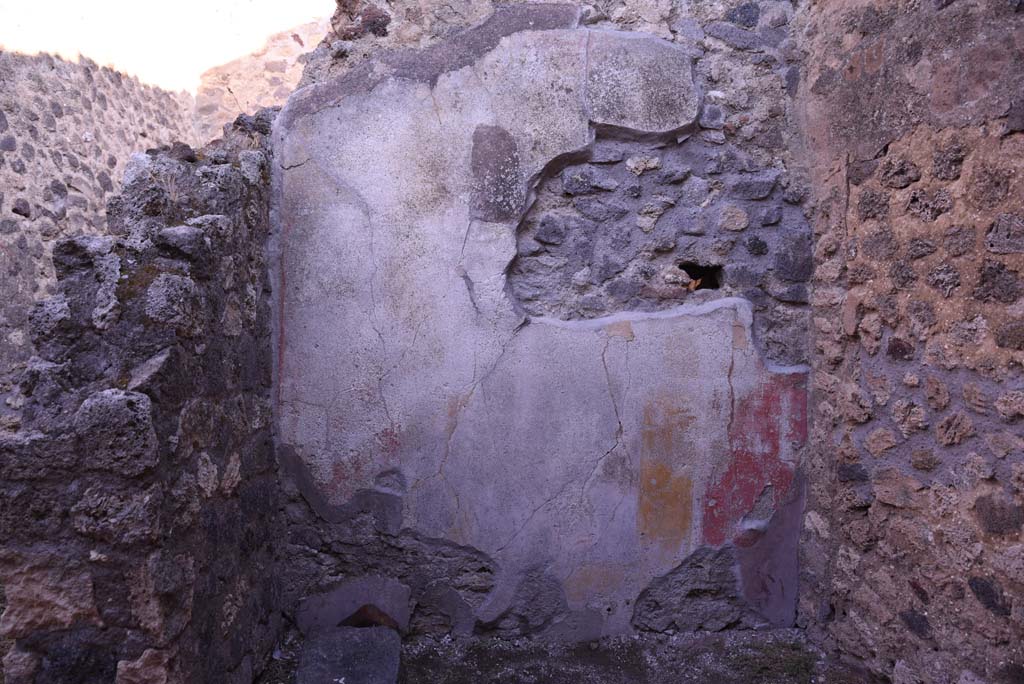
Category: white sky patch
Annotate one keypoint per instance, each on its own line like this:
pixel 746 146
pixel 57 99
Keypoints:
pixel 168 44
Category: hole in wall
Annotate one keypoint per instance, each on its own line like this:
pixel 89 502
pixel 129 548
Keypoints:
pixel 702 277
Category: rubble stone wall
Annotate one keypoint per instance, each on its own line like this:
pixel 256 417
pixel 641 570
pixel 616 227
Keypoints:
pixel 264 78
pixel 914 123
pixel 67 130
pixel 138 497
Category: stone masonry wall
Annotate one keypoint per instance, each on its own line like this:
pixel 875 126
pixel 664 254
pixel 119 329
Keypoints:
pixel 138 496
pixel 264 78
pixel 913 550
pixel 66 132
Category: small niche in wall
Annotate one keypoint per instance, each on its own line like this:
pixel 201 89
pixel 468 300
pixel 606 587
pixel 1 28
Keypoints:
pixel 702 277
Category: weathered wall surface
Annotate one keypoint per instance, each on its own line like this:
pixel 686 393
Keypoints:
pixel 915 131
pixel 264 78
pixel 66 132
pixel 490 341
pixel 137 498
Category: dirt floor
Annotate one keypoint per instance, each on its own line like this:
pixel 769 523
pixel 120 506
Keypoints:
pixel 747 657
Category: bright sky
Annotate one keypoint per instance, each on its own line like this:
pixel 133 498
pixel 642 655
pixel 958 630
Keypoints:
pixel 168 44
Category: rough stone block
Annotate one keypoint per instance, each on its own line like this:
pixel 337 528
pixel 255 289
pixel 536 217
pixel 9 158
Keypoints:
pixel 115 428
pixel 350 655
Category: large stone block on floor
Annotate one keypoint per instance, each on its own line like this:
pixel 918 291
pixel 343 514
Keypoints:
pixel 587 458
pixel 350 655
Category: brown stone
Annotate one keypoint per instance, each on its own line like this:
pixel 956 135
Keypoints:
pixel 936 392
pixel 1004 443
pixel 1011 405
pixel 924 459
pixel 879 441
pixel 909 416
pixel 149 668
pixel 19 667
pixel 975 397
pixel 44 592
pixel 894 489
pixel 954 428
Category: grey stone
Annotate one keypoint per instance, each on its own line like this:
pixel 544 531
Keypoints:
pixel 671 175
pixel 350 655
pixel 104 180
pixel 734 36
pixel 852 472
pixel 990 595
pixel 701 594
pixel 752 187
pixel 898 173
pixel 600 210
pixel 929 206
pixel 497 186
pixel 175 300
pixel 688 28
pixel 1006 235
pixel 116 429
pixel 902 274
pixel 920 248
pixel 8 143
pixel 663 100
pixel 794 260
pixel 585 180
pixel 945 279
pixel 1011 335
pixel 872 204
pixel 756 246
pixel 712 117
pixel 998 283
pixel 745 15
pixel 959 241
pixel 771 216
pixel 946 162
pixel 189 240
pixel 552 230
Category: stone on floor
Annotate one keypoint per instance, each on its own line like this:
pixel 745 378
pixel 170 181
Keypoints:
pixel 350 655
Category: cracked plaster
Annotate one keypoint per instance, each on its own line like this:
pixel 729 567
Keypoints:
pixel 586 450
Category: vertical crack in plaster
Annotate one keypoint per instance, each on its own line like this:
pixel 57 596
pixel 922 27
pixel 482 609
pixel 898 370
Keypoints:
pixel 618 419
pixel 374 318
pixel 461 406
pixel 469 288
pixel 437 110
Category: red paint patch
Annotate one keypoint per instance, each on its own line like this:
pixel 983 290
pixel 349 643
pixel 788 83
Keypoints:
pixel 389 442
pixel 776 411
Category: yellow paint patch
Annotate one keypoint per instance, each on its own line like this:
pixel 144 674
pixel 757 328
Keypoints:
pixel 623 329
pixel 739 336
pixel 665 508
pixel 666 505
pixel 664 428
